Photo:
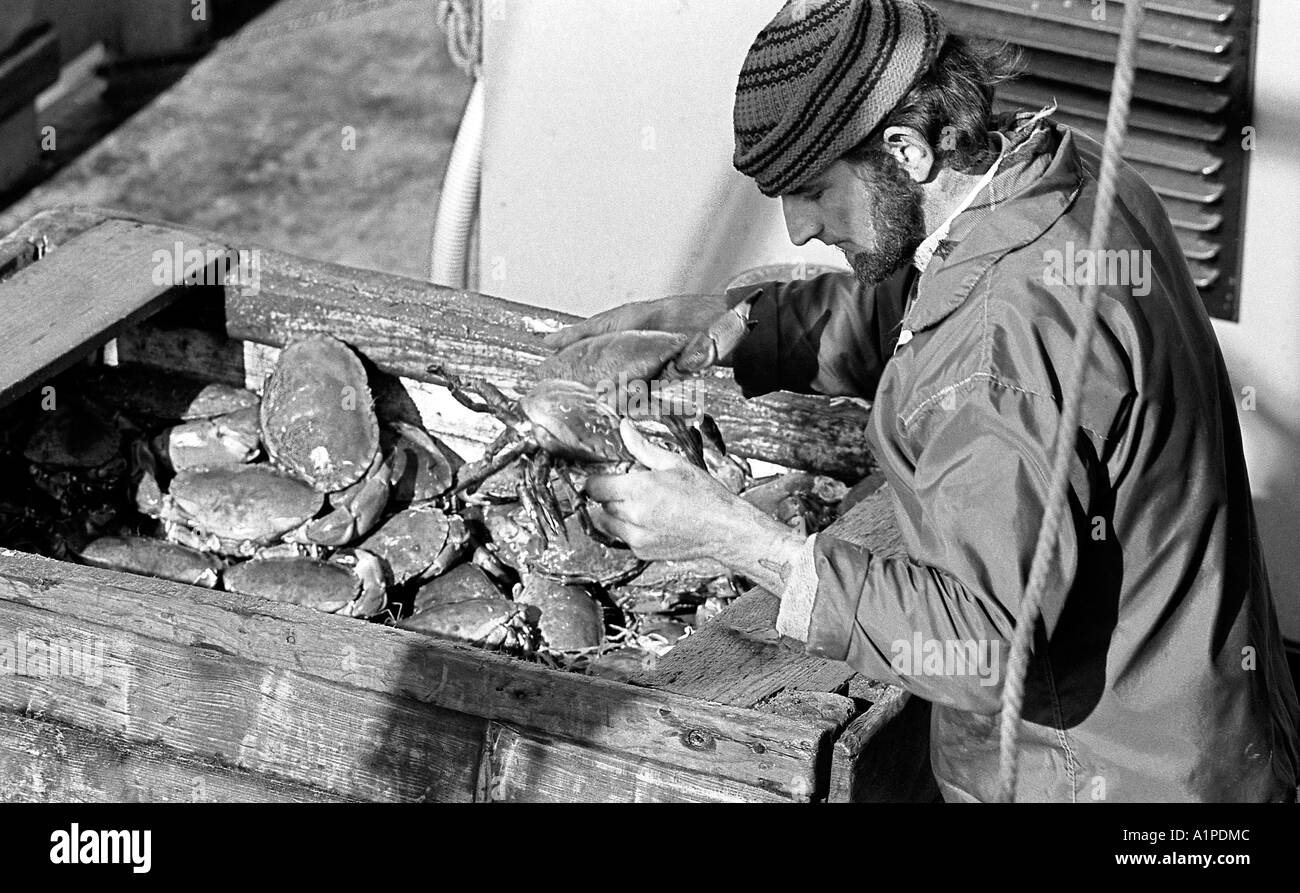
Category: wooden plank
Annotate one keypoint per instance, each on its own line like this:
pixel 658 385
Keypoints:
pixel 55 226
pixel 54 312
pixel 404 324
pixel 774 753
pixel 522 766
pixel 44 762
pixel 883 756
pixel 739 658
pixel 205 701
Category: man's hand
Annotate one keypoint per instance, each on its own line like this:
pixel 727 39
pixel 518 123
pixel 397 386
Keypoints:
pixel 675 511
pixel 684 314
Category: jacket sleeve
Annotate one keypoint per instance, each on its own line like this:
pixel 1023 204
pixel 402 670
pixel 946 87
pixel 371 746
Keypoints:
pixel 826 335
pixel 982 478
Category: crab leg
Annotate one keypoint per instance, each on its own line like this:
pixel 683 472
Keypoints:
pixel 528 497
pixel 580 509
pixel 687 438
pixel 538 479
pixel 476 473
pixel 493 402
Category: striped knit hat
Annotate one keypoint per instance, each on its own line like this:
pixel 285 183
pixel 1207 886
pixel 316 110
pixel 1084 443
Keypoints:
pixel 820 77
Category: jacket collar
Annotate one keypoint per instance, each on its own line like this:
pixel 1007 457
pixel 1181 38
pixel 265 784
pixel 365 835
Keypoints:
pixel 1001 225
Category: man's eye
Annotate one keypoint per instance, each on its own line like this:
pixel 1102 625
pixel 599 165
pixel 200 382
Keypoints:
pixel 816 196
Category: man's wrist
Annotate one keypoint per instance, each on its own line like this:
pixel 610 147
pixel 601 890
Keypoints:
pixel 762 549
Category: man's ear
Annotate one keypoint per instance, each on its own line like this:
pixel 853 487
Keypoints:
pixel 911 151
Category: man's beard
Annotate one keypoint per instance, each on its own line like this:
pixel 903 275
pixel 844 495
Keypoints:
pixel 898 220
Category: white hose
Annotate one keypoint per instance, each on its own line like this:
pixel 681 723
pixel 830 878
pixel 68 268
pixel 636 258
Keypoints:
pixel 458 203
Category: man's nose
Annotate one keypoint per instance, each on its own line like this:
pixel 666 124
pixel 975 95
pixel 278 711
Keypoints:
pixel 800 219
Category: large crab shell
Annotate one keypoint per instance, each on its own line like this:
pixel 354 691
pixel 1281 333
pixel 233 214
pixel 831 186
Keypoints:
pixel 417 543
pixel 152 558
pixel 318 417
pixel 233 439
pixel 487 622
pixel 322 585
pixel 571 421
pixel 462 583
pixel 241 503
pixel 571 619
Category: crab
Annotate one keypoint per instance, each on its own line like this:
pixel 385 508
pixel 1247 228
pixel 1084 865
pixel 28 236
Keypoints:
pixel 493 623
pixel 671 586
pixel 234 510
pixel 422 467
pixel 333 586
pixel 461 583
pixel 75 457
pixel 558 427
pixel 571 620
pixel 622 664
pixel 576 559
pixel 418 543
pixel 152 558
pixel 352 511
pixel 318 417
pixel 231 439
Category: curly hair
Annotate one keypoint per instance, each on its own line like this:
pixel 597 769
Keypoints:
pixel 955 92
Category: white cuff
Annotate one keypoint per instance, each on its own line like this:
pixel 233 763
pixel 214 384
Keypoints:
pixel 800 594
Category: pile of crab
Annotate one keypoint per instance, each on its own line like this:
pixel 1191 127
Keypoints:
pixel 309 494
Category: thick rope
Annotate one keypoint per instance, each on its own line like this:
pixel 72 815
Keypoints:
pixel 1013 691
pixel 462 21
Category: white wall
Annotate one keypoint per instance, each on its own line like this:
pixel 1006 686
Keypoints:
pixel 607 166
pixel 1262 349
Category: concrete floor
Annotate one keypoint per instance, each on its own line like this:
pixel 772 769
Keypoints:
pixel 251 142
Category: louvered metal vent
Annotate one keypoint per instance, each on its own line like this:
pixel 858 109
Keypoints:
pixel 1192 101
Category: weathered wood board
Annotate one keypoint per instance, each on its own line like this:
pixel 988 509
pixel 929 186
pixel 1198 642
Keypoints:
pixel 45 762
pixel 54 312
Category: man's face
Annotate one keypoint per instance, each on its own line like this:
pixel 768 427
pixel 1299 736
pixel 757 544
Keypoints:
pixel 870 210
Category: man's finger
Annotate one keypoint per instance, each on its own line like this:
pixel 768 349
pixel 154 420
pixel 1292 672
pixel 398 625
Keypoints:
pixel 610 525
pixel 611 320
pixel 652 457
pixel 567 336
pixel 608 487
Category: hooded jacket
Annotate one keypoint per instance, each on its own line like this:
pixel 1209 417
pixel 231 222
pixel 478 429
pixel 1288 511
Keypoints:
pixel 1158 671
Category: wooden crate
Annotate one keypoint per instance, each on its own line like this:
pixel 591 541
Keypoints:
pixel 209 695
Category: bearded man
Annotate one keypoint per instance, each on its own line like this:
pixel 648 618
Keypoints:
pixel 1158 669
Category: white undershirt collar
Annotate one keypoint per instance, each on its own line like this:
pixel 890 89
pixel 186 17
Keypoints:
pixel 925 252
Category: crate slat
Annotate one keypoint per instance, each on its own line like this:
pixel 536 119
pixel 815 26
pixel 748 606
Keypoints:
pixel 54 312
pixel 44 762
pixel 521 766
pixel 211 704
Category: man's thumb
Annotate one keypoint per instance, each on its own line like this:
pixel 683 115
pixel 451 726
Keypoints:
pixel 564 337
pixel 652 457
